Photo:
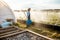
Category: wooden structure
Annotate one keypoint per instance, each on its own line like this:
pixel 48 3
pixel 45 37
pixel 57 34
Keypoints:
pixel 14 33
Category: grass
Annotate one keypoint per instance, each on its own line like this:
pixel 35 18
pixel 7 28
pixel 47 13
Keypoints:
pixel 41 30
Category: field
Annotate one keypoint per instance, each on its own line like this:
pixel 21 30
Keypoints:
pixel 50 31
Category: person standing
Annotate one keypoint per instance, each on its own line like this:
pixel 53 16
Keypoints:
pixel 28 22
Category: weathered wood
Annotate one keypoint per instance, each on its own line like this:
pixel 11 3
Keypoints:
pixel 25 35
pixel 8 31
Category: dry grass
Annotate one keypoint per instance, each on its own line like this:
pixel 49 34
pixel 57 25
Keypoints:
pixel 41 30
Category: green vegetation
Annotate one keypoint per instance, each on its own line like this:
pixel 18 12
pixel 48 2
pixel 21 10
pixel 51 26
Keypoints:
pixel 53 19
pixel 44 31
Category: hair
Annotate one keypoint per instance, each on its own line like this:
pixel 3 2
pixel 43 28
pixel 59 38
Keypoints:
pixel 29 9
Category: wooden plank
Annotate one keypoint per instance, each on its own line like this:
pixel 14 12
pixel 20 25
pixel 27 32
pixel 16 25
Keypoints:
pixel 7 33
pixel 7 30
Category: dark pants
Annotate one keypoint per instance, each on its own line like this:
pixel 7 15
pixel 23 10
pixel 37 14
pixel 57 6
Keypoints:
pixel 29 17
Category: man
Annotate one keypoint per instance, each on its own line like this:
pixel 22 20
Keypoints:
pixel 28 22
pixel 28 13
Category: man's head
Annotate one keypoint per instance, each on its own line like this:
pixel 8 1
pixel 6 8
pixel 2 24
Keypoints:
pixel 29 9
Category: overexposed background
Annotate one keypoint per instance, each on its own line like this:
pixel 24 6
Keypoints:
pixel 36 16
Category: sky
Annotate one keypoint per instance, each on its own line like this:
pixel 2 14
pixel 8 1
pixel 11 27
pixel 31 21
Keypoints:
pixel 34 4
